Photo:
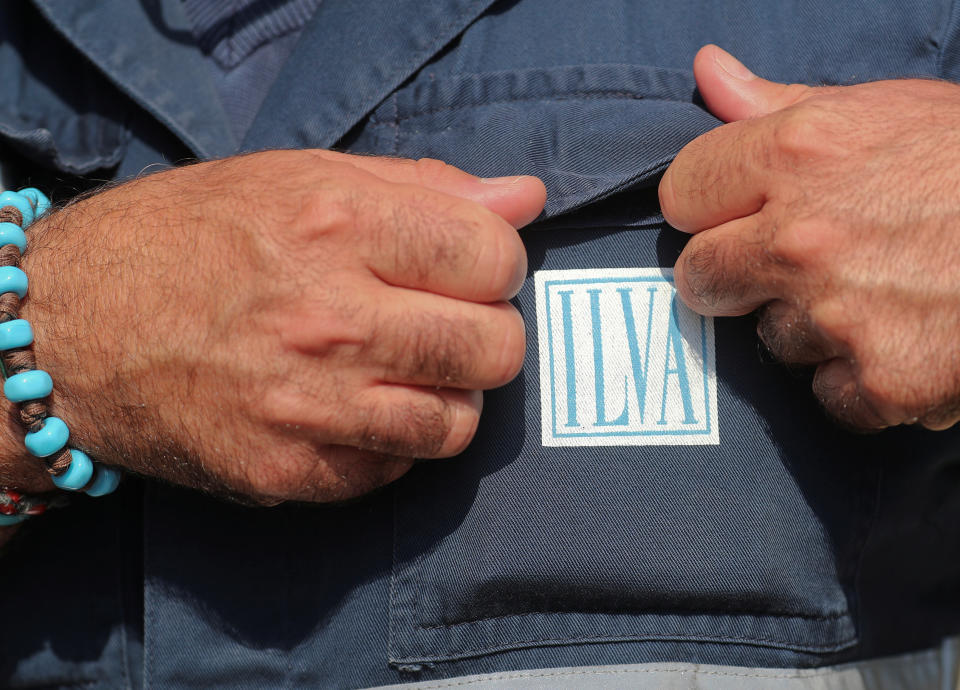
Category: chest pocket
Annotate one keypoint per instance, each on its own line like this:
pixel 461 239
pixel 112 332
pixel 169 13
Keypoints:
pixel 750 537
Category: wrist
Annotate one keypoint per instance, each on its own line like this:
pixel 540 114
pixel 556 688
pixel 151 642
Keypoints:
pixel 19 470
pixel 28 389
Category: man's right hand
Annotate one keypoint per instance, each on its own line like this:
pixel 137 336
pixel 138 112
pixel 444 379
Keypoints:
pixel 282 325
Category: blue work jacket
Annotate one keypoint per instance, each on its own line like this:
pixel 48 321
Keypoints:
pixel 651 487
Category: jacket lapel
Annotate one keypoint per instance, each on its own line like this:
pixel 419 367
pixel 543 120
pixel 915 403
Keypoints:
pixel 147 50
pixel 351 56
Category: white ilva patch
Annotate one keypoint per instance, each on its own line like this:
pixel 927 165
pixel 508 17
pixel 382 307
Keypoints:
pixel 623 361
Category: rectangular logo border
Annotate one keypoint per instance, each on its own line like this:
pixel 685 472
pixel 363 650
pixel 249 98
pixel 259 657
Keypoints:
pixel 544 280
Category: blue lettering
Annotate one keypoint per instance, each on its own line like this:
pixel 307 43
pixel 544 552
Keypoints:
pixel 624 418
pixel 675 345
pixel 639 370
pixel 570 359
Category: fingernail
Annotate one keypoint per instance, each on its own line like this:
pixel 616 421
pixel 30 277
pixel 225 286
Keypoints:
pixel 505 181
pixel 733 66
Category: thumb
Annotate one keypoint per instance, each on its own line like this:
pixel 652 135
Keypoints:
pixel 518 199
pixel 732 92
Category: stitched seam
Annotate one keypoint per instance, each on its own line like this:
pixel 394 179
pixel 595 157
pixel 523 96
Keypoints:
pixel 569 96
pixel 679 637
pixel 863 540
pixel 122 591
pixel 66 684
pixel 951 21
pixel 393 614
pixel 149 616
pixel 396 125
pixel 941 49
pixel 419 57
pixel 756 614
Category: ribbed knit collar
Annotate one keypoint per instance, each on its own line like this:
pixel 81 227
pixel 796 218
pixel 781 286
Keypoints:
pixel 230 30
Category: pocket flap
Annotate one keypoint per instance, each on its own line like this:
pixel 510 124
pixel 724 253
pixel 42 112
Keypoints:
pixel 588 131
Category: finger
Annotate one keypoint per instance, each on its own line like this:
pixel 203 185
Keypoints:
pixel 835 385
pixel 716 178
pixel 392 421
pixel 413 422
pixel 365 441
pixel 420 339
pixel 940 418
pixel 721 175
pixel 727 271
pixel 518 199
pixel 430 241
pixel 428 340
pixel 790 335
pixel 348 472
pixel 732 92
pixel 327 473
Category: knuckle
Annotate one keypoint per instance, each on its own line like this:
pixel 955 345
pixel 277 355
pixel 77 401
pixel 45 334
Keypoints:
pixel 332 207
pixel 788 334
pixel 280 407
pixel 280 477
pixel 942 418
pixel 700 280
pixel 414 430
pixel 874 388
pixel 834 319
pixel 836 385
pixel 798 134
pixel 298 400
pixel 438 350
pixel 800 242
pixel 830 384
pixel 776 328
pixel 420 235
pixel 697 278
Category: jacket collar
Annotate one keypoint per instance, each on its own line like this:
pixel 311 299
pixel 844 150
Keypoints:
pixel 147 50
pixel 350 57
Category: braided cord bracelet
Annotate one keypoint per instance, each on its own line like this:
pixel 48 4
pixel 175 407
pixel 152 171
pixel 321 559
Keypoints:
pixel 24 384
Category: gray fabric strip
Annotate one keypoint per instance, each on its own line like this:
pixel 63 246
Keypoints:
pixel 934 669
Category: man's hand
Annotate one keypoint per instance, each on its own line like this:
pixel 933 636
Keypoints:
pixel 283 325
pixel 836 210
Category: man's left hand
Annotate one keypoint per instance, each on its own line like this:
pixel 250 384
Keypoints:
pixel 836 212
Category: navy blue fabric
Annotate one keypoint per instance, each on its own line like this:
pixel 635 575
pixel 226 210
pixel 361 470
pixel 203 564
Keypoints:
pixel 74 125
pixel 247 43
pixel 792 543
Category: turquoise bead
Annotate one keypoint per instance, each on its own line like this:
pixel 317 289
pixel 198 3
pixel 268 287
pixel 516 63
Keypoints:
pixel 12 279
pixel 78 474
pixel 106 481
pixel 50 439
pixel 23 205
pixel 10 233
pixel 41 204
pixel 16 333
pixel 6 520
pixel 30 385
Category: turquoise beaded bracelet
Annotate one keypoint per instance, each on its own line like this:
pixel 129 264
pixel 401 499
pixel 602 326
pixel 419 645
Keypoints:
pixel 47 436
